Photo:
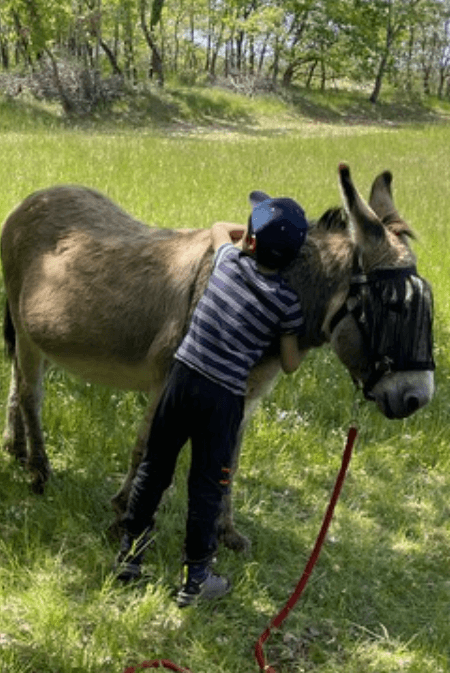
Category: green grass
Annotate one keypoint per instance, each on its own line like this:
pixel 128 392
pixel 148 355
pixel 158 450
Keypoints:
pixel 378 600
pixel 188 108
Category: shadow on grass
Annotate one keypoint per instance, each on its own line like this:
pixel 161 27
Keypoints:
pixel 375 568
pixel 204 108
pixel 211 108
pixel 26 114
pixel 355 108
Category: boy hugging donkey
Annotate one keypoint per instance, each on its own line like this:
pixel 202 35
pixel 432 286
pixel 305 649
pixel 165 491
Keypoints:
pixel 245 307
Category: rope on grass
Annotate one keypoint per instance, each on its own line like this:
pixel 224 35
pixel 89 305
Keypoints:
pixel 281 616
pixel 158 663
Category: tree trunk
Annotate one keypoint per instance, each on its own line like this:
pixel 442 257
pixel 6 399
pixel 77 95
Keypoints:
pixel 69 106
pixel 441 84
pixel 112 59
pixel 276 62
pixel 251 58
pixel 4 54
pixel 156 63
pixel 411 40
pixel 323 74
pixel 176 48
pixel 426 80
pixel 263 54
pixel 4 51
pixel 379 79
pixel 215 52
pixel 311 73
pixel 240 52
pixel 289 74
pixel 22 45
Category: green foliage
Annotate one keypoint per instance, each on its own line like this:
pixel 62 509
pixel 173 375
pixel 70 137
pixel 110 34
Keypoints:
pixel 378 599
pixel 41 22
pixel 313 43
pixel 157 7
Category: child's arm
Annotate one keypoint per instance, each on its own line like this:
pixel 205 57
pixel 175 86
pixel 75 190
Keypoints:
pixel 226 232
pixel 291 356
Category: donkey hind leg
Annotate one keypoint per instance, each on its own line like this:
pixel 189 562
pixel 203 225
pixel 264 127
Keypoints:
pixel 31 368
pixel 228 534
pixel 14 438
pixel 120 499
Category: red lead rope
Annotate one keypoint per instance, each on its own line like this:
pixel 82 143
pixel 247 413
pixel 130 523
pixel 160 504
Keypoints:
pixel 164 663
pixel 277 621
pixel 281 616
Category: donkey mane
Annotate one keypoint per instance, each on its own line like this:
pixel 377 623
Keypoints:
pixel 332 219
pixel 337 219
pixel 322 269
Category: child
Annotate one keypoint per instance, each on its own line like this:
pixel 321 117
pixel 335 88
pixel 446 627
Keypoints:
pixel 245 306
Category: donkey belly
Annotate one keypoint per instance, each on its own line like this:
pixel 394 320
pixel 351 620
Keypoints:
pixel 101 348
pixel 142 377
pixel 110 356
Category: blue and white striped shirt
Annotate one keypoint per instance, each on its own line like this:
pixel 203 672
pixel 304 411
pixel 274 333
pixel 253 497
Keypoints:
pixel 239 315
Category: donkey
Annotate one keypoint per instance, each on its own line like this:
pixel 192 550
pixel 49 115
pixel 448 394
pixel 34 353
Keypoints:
pixel 108 298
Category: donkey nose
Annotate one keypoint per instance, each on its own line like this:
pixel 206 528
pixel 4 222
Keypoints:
pixel 412 404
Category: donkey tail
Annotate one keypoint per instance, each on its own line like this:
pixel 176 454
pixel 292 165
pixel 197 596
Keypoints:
pixel 9 333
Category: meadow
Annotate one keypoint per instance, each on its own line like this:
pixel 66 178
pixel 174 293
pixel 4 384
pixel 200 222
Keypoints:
pixel 379 598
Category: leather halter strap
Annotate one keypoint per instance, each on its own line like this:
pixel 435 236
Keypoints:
pixel 360 278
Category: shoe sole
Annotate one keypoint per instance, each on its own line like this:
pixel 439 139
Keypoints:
pixel 185 600
pixel 127 572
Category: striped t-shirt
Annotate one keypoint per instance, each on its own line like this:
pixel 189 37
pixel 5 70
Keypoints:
pixel 239 315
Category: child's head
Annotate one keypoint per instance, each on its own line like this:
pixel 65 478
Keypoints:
pixel 277 229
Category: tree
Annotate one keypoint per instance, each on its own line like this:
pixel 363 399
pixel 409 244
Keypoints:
pixel 444 62
pixel 148 30
pixel 398 17
pixel 312 34
pixel 292 40
pixel 432 44
pixel 372 31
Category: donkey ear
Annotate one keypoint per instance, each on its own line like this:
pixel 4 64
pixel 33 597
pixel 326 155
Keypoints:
pixel 381 200
pixel 362 216
pixel 257 197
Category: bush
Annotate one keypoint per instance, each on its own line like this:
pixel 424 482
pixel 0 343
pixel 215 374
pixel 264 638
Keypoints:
pixel 80 90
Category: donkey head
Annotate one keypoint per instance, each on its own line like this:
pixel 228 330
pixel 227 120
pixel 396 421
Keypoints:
pixel 383 330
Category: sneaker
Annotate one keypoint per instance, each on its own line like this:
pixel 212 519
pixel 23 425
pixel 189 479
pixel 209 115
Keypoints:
pixel 127 566
pixel 210 588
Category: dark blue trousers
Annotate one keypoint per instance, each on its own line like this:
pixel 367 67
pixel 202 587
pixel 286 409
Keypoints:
pixel 191 407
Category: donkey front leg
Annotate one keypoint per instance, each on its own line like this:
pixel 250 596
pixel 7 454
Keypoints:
pixel 228 534
pixel 261 379
pixel 14 438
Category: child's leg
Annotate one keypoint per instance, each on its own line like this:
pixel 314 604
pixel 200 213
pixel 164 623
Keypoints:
pixel 168 434
pixel 213 438
pixel 212 444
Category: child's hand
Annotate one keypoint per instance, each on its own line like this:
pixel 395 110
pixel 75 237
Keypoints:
pixel 236 235
pixel 226 232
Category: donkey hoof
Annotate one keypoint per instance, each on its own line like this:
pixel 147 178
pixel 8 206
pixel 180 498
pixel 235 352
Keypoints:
pixel 18 451
pixel 119 503
pixel 37 486
pixel 235 541
pixel 114 531
pixel 39 480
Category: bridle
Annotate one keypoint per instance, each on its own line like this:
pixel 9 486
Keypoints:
pixel 393 309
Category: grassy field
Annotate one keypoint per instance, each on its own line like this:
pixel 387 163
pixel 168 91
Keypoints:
pixel 378 600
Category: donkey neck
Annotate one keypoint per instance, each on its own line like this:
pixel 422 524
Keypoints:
pixel 321 278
